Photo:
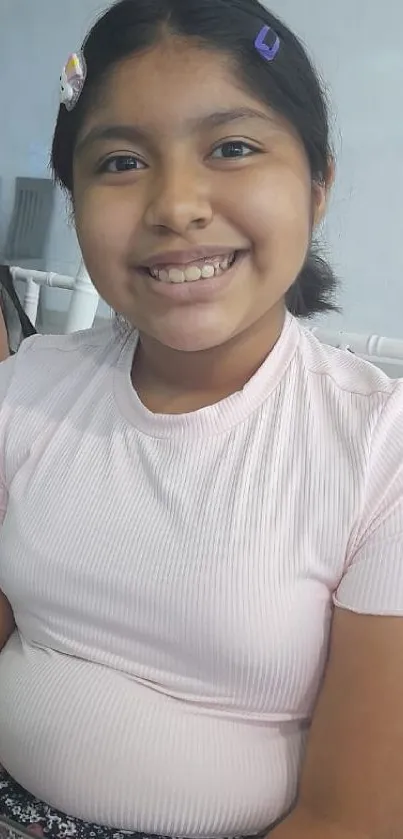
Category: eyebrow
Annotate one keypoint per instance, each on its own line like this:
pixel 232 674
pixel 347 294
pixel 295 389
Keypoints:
pixel 136 133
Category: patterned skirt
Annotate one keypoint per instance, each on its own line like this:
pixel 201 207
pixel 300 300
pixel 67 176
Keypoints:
pixel 22 816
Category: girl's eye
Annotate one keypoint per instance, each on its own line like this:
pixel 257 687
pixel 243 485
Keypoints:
pixel 233 149
pixel 121 163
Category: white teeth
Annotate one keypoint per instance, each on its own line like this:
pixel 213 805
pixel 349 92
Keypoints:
pixel 208 271
pixel 193 273
pixel 175 275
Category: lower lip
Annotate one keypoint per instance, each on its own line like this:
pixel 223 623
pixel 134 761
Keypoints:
pixel 198 291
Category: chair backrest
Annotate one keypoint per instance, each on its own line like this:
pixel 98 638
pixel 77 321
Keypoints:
pixel 27 282
pixel 30 221
pixel 9 300
pixel 385 353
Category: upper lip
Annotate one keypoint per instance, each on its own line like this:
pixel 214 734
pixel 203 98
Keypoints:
pixel 186 256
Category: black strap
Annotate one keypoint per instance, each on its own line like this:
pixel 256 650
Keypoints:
pixel 6 282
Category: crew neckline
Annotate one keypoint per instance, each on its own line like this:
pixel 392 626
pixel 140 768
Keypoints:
pixel 213 419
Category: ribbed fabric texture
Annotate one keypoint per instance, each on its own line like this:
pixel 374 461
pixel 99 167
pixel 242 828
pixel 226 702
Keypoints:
pixel 173 577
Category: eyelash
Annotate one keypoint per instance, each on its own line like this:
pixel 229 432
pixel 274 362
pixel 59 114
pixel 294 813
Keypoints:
pixel 249 146
pixel 103 168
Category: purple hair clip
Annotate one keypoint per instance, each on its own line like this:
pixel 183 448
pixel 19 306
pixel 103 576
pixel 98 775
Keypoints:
pixel 268 53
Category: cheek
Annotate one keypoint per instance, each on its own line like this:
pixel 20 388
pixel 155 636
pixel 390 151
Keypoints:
pixel 276 213
pixel 105 223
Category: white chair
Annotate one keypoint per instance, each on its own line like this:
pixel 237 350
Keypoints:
pixel 28 231
pixel 84 298
pixel 385 353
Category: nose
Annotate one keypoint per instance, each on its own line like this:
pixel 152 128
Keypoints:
pixel 179 200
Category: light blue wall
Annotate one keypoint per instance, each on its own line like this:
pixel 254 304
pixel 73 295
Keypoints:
pixel 358 45
pixel 36 37
pixel 359 49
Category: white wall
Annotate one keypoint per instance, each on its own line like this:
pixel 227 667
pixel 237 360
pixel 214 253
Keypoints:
pixel 365 222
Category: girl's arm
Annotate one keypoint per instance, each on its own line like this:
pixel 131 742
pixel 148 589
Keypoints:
pixel 353 778
pixel 4 350
pixel 6 620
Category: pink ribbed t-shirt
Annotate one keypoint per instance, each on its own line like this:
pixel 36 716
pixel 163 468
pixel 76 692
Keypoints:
pixel 173 577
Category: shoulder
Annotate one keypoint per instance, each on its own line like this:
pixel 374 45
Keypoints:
pixel 346 395
pixel 75 342
pixel 349 415
pixel 340 370
pixel 44 361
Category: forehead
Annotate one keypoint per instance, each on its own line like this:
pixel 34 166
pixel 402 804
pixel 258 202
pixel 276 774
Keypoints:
pixel 174 80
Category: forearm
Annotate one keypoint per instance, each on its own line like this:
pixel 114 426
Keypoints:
pixel 4 349
pixel 6 620
pixel 302 825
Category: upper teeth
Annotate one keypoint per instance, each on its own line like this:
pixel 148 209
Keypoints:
pixel 203 269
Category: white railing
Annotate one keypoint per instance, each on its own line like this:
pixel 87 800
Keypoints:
pixel 84 298
pixel 369 346
pixel 386 353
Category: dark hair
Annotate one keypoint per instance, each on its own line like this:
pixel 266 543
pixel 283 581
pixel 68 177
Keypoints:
pixel 289 84
pixel 8 295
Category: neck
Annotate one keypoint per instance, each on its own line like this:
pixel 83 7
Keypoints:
pixel 171 381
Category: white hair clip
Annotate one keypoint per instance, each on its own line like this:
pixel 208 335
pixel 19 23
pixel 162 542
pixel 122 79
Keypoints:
pixel 72 80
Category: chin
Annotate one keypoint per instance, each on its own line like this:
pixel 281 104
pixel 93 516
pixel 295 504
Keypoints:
pixel 193 344
pixel 196 341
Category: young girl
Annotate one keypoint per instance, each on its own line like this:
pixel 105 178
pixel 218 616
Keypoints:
pixel 202 543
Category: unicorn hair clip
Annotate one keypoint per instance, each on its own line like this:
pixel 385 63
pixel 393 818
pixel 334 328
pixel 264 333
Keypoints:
pixel 268 52
pixel 72 80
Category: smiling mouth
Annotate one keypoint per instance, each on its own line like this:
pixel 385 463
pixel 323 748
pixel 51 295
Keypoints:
pixel 195 271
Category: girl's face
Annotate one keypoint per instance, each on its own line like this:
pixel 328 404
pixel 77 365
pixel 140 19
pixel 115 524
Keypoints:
pixel 193 201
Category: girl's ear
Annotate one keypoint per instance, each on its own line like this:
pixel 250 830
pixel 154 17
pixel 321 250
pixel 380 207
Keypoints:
pixel 320 194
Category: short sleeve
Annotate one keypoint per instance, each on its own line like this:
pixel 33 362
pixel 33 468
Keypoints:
pixel 6 375
pixel 372 583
